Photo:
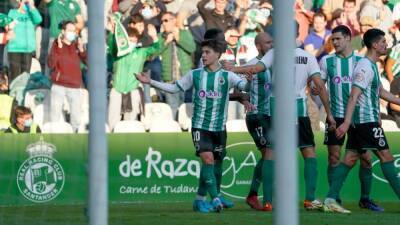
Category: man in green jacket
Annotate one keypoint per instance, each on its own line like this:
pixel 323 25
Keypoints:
pixel 177 47
pixel 124 69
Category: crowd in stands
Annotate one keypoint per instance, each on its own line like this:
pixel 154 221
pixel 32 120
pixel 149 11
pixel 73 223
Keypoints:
pixel 43 45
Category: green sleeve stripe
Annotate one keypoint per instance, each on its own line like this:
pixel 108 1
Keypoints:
pixel 179 86
pixel 359 86
pixel 262 63
pixel 315 74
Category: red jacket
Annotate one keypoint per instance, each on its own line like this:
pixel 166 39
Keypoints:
pixel 65 65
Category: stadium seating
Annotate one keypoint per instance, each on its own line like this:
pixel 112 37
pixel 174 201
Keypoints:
pixel 156 111
pixel 185 114
pixel 84 129
pixel 165 126
pixel 129 126
pixel 235 110
pixel 236 126
pixel 389 125
pixel 57 128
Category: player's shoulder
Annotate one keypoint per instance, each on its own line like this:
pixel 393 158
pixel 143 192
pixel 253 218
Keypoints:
pixel 363 66
pixel 303 53
pixel 327 57
pixel 253 61
pixel 363 62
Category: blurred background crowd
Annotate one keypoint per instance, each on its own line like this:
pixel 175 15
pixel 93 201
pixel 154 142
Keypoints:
pixel 43 69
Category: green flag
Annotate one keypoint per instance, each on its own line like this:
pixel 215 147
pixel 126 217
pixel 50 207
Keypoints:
pixel 121 37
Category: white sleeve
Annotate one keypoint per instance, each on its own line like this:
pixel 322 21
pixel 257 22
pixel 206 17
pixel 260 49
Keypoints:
pixel 322 65
pixel 312 66
pixel 268 59
pixel 363 76
pixel 170 88
pixel 186 82
pixel 236 82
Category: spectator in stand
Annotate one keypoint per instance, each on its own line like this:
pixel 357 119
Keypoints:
pixel 332 8
pixel 357 43
pixel 348 17
pixel 176 48
pixel 380 12
pixel 65 58
pixel 124 84
pixel 7 103
pixel 125 7
pixel 4 36
pixel 151 11
pixel 235 51
pixel 219 17
pixel 304 18
pixel 63 10
pixel 22 46
pixel 315 41
pixel 23 122
pixel 392 70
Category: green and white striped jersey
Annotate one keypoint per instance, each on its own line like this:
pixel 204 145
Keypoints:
pixel 366 77
pixel 306 66
pixel 338 72
pixel 210 96
pixel 395 55
pixel 260 90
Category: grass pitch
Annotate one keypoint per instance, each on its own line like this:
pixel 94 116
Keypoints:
pixel 180 213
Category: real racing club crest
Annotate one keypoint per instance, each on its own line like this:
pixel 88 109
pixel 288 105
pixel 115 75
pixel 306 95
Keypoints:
pixel 40 178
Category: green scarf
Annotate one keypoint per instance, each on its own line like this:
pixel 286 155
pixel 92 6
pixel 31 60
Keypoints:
pixel 121 37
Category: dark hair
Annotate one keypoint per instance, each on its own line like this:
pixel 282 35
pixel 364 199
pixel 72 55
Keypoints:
pixel 136 18
pixel 350 1
pixel 215 34
pixel 3 77
pixel 216 45
pixel 21 111
pixel 133 32
pixel 371 36
pixel 345 30
pixel 319 14
pixel 168 13
pixel 64 24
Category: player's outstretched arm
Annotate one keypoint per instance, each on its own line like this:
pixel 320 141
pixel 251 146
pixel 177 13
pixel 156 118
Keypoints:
pixel 321 90
pixel 351 104
pixel 170 88
pixel 385 95
pixel 249 69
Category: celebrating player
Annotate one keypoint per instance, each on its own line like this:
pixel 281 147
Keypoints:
pixel 211 86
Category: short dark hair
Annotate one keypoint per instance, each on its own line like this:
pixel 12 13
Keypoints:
pixel 371 36
pixel 136 18
pixel 64 24
pixel 349 1
pixel 168 13
pixel 319 14
pixel 216 45
pixel 21 111
pixel 3 77
pixel 133 32
pixel 345 30
pixel 215 34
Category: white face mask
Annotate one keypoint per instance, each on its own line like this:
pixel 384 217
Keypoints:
pixel 71 36
pixel 133 44
pixel 28 123
pixel 147 13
